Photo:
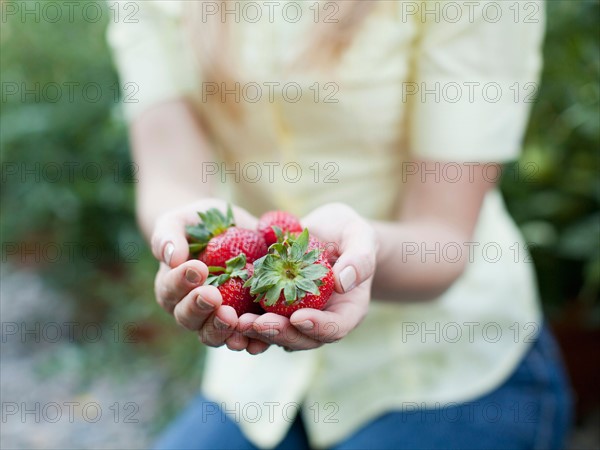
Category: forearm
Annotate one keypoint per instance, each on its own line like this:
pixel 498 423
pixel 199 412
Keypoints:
pixel 423 253
pixel 169 148
pixel 410 262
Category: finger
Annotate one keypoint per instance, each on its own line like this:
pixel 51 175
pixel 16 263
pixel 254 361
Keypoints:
pixel 168 242
pixel 219 327
pixel 171 285
pixel 237 341
pixel 356 262
pixel 256 347
pixel 275 329
pixel 245 323
pixel 335 322
pixel 196 307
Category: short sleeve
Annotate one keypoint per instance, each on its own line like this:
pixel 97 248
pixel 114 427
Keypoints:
pixel 154 61
pixel 476 67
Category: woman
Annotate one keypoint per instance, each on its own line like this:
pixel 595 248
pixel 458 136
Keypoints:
pixel 383 125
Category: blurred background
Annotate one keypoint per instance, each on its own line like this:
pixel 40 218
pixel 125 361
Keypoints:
pixel 80 327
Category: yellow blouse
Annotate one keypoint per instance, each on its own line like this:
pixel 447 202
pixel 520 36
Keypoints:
pixel 420 79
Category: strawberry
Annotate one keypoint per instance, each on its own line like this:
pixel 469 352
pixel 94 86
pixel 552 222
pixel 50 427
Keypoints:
pixel 291 277
pixel 230 282
pixel 286 222
pixel 216 239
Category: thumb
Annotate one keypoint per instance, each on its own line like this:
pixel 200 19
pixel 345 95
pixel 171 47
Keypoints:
pixel 356 263
pixel 168 242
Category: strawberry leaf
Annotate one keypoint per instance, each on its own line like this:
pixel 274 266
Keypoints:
pixel 302 241
pixel 278 232
pixel 236 263
pixel 272 295
pixel 296 252
pixel 229 217
pixel 306 285
pixel 196 248
pixel 311 257
pixel 290 292
pixel 314 272
pixel 217 280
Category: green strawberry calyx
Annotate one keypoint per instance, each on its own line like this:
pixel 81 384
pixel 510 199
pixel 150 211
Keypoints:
pixel 288 267
pixel 234 268
pixel 212 223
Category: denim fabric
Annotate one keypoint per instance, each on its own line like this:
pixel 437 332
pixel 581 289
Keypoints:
pixel 531 410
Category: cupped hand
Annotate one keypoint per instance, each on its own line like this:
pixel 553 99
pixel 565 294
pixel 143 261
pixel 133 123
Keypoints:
pixel 351 242
pixel 179 283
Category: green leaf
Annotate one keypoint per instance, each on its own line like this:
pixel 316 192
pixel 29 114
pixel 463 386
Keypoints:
pixel 279 249
pixel 241 274
pixel 258 263
pixel 272 295
pixel 271 263
pixel 302 241
pixel 306 285
pixel 311 256
pixel 278 232
pixel 290 291
pixel 296 252
pixel 263 284
pixel 314 272
pixel 230 220
pixel 217 280
pixel 198 233
pixel 211 280
pixel 223 278
pixel 236 263
pixel 196 248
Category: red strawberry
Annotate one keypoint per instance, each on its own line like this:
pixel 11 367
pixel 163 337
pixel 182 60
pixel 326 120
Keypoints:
pixel 291 277
pixel 230 282
pixel 216 239
pixel 231 243
pixel 286 222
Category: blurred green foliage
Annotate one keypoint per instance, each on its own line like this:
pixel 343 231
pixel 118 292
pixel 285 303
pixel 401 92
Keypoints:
pixel 77 204
pixel 557 207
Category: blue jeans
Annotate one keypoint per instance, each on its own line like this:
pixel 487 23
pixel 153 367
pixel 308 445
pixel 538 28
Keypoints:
pixel 531 410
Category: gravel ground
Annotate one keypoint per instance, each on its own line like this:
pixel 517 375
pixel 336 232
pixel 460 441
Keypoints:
pixel 48 398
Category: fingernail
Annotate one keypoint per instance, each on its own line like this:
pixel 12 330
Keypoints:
pixel 348 278
pixel 307 325
pixel 269 333
pixel 220 325
pixel 192 276
pixel 203 304
pixel 168 253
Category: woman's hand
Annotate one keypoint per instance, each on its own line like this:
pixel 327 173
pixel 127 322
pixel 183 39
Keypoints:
pixel 351 242
pixel 179 282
